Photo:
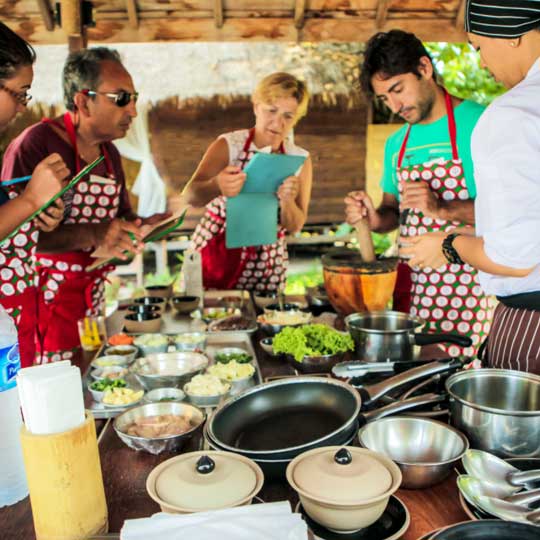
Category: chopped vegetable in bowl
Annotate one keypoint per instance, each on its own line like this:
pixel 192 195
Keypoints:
pixel 240 357
pixel 206 385
pixel 231 371
pixel 103 384
pixel 311 340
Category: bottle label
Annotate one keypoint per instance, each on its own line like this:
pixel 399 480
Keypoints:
pixel 10 364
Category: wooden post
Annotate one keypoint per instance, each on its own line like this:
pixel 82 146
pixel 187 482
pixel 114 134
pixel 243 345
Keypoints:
pixel 460 16
pixel 382 12
pixel 46 14
pixel 132 13
pixel 299 13
pixel 218 13
pixel 72 24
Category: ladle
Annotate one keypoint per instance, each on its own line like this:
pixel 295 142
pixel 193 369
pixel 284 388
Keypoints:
pixel 507 511
pixel 482 464
pixel 365 243
pixel 471 488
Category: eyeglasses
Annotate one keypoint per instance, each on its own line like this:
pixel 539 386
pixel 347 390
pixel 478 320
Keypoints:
pixel 120 99
pixel 20 97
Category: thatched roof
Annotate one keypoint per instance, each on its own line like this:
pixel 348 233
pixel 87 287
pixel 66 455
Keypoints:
pixel 188 72
pixel 123 21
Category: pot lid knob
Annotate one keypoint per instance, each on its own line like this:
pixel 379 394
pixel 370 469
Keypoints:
pixel 342 457
pixel 205 465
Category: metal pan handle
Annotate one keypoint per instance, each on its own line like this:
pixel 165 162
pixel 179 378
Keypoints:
pixel 400 406
pixel 371 393
pixel 430 339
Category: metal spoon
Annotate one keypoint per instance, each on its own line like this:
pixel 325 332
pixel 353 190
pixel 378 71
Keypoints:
pixel 471 488
pixel 507 511
pixel 482 464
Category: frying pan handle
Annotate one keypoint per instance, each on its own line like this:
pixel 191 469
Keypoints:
pixel 430 339
pixel 373 392
pixel 520 478
pixel 400 406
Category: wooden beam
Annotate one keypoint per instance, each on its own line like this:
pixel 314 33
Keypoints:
pixel 218 13
pixel 299 13
pixel 46 14
pixel 381 13
pixel 280 29
pixel 72 24
pixel 460 15
pixel 133 16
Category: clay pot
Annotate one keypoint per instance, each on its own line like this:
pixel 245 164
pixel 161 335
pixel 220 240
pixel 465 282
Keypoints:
pixel 353 285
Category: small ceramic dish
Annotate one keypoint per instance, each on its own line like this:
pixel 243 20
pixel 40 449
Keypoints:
pixel 159 291
pixel 152 343
pixel 185 304
pixel 129 352
pixel 112 372
pixel 162 395
pixel 110 360
pixel 142 322
pixel 190 341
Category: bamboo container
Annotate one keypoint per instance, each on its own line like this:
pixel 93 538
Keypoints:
pixel 65 483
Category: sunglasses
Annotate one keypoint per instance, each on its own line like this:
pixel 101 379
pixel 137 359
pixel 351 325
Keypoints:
pixel 20 97
pixel 120 99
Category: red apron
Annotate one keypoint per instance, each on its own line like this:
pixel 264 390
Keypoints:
pixel 254 267
pixel 449 298
pixel 18 294
pixel 67 292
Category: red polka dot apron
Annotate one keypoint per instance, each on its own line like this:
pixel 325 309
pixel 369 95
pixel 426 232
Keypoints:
pixel 66 291
pixel 449 298
pixel 255 267
pixel 18 295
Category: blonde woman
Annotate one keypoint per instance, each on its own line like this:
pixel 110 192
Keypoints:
pixel 279 101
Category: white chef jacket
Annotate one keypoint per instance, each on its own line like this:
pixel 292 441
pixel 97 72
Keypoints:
pixel 505 148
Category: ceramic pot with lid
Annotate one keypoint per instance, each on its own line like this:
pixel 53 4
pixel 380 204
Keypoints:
pixel 204 480
pixel 343 488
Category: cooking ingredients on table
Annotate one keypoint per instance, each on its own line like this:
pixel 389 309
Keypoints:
pixel 120 339
pixel 152 343
pixel 285 318
pixel 121 396
pixel 311 340
pixel 236 322
pixel 109 372
pixel 104 384
pixel 232 371
pixel 228 354
pixel 164 395
pixel 206 385
pixel 109 360
pixel 160 425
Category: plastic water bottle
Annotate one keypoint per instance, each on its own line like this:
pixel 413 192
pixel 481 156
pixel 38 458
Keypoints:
pixel 13 486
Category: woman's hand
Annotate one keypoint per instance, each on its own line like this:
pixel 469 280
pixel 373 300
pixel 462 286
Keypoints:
pixel 230 180
pixel 424 251
pixel 50 218
pixel 47 180
pixel 288 191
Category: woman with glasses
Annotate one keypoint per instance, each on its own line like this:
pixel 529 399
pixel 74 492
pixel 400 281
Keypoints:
pixel 18 201
pixel 505 246
pixel 279 101
pixel 100 100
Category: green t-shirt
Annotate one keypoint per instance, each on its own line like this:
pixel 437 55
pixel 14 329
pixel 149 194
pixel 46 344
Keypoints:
pixel 428 142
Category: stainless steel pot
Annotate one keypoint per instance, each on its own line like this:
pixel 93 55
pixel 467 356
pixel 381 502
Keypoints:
pixel 393 336
pixel 498 410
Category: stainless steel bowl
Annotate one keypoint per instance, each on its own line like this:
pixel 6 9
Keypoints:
pixel 424 449
pixel 164 395
pixel 171 443
pixel 168 369
pixel 130 352
pixel 190 341
pixel 206 401
pixel 316 364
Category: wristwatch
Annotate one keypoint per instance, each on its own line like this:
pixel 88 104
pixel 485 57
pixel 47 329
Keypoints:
pixel 452 256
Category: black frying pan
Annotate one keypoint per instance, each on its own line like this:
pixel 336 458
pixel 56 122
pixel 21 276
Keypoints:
pixel 488 529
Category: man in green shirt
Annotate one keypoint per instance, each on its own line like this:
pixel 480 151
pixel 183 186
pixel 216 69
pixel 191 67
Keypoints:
pixel 427 183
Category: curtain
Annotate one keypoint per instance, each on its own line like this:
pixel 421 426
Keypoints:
pixel 148 186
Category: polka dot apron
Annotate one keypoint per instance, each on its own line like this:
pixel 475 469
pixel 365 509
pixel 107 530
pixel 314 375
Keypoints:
pixel 449 298
pixel 18 294
pixel 255 267
pixel 67 292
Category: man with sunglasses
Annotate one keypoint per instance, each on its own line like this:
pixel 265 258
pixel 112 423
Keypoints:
pixel 100 100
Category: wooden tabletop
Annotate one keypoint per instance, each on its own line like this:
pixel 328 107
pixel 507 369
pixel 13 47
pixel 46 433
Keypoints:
pixel 125 472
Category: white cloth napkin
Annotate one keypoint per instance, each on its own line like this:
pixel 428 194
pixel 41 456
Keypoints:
pixel 270 521
pixel 51 397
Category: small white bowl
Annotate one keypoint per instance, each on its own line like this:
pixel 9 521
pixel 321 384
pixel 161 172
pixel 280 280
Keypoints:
pixel 110 361
pixel 162 395
pixel 100 373
pixel 127 351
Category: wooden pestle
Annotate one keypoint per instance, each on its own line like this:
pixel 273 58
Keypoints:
pixel 365 243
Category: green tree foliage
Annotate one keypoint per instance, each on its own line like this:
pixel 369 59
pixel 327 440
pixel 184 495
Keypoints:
pixel 459 66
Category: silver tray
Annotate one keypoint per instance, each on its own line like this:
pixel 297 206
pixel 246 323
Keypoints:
pixel 216 340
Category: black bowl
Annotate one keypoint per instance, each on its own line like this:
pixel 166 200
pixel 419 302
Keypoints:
pixel 149 300
pixel 143 316
pixel 143 308
pixel 287 306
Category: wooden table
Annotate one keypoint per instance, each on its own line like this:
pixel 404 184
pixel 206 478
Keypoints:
pixel 125 472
